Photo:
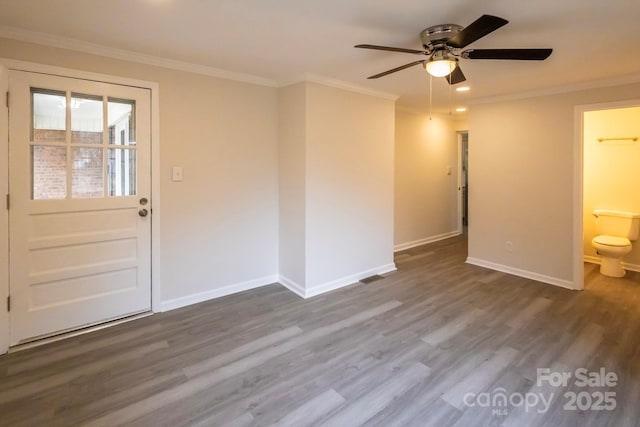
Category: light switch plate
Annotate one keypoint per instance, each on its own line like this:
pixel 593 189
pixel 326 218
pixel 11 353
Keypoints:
pixel 176 174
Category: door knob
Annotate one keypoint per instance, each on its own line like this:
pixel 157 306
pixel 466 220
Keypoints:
pixel 143 212
pixel 143 201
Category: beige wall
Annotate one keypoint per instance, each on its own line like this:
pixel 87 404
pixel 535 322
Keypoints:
pixel 521 159
pixel 219 226
pixel 611 170
pixel 349 204
pixel 426 196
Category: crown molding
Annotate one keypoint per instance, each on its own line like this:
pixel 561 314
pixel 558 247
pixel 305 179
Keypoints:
pixel 557 90
pixel 340 84
pixel 50 40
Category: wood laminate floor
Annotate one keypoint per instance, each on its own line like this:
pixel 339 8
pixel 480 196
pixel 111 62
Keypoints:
pixel 437 343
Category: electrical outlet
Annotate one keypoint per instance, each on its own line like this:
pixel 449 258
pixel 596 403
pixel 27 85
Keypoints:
pixel 508 246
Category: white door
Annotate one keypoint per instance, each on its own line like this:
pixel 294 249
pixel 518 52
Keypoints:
pixel 79 216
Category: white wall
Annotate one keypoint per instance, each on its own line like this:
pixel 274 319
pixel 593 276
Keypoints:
pixel 521 156
pixel 220 225
pixel 426 195
pixel 349 203
pixel 292 181
pixel 318 207
pixel 336 187
pixel 611 170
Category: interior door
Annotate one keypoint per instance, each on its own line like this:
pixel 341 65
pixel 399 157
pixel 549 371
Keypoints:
pixel 79 217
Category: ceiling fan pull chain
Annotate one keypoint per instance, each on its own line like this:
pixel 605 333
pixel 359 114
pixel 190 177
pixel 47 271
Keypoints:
pixel 430 93
pixel 450 76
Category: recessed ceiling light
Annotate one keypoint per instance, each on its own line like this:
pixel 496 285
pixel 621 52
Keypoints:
pixel 461 109
pixel 463 89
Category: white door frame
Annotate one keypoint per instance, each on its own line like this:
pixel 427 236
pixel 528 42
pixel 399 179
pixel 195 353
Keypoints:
pixel 578 182
pixel 4 176
pixel 4 213
pixel 460 193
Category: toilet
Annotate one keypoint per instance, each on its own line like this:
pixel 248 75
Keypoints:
pixel 615 231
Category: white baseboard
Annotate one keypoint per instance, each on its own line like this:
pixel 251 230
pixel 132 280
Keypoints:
pixel 284 281
pixel 292 286
pixel 217 293
pixel 626 265
pixel 522 273
pixel 592 259
pixel 348 280
pixel 334 284
pixel 420 242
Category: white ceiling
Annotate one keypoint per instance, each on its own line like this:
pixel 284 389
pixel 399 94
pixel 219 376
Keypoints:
pixel 282 40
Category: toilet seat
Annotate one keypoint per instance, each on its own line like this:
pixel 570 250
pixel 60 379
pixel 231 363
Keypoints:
pixel 613 241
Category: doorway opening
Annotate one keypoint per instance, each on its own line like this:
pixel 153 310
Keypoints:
pixel 611 153
pixel 607 151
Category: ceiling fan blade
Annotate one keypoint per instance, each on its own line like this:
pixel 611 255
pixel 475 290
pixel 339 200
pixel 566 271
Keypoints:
pixel 402 67
pixel 392 49
pixel 477 29
pixel 517 54
pixel 456 76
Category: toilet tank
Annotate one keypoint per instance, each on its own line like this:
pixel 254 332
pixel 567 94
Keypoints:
pixel 617 223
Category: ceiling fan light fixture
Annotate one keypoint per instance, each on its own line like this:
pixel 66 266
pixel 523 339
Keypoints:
pixel 441 65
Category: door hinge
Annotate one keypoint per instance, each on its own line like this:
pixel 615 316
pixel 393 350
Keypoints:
pixel 8 202
pixel 8 302
pixel 7 99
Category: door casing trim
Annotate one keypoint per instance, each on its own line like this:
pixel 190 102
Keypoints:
pixel 154 88
pixel 459 135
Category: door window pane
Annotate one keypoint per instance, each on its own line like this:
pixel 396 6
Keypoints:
pixel 86 119
pixel 121 119
pixel 49 119
pixel 51 167
pixel 122 172
pixel 49 172
pixel 87 178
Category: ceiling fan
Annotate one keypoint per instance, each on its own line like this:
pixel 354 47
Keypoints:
pixel 442 44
